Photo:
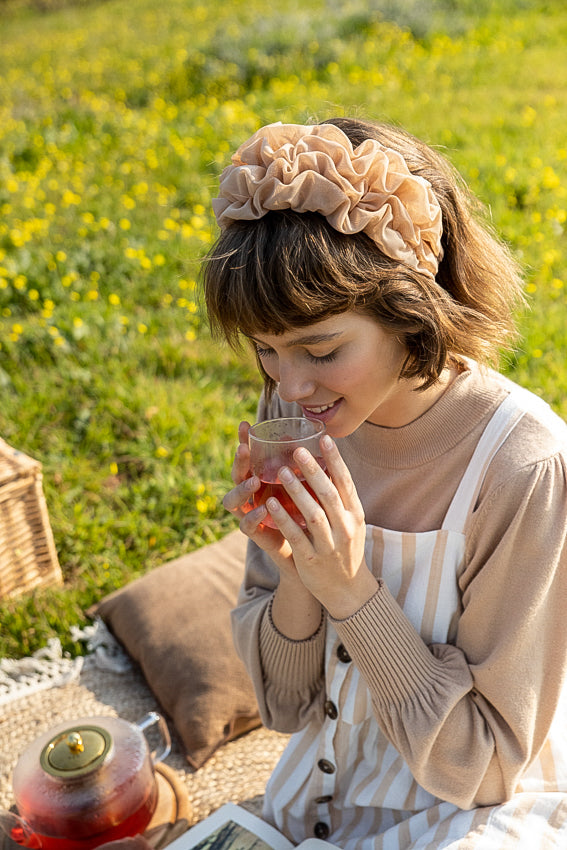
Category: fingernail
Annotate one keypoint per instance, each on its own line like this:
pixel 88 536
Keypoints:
pixel 273 505
pixel 285 475
pixel 302 455
pixel 251 483
pixel 326 442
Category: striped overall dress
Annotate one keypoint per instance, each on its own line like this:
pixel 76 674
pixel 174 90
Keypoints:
pixel 341 779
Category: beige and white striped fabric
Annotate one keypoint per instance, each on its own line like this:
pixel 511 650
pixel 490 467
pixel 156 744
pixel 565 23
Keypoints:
pixel 347 758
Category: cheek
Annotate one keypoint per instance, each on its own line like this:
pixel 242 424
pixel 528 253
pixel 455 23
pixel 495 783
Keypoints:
pixel 269 368
pixel 345 378
pixel 370 374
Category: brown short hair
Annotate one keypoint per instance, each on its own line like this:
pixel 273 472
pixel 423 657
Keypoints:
pixel 288 270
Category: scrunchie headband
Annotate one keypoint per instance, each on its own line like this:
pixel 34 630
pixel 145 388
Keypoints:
pixel 316 169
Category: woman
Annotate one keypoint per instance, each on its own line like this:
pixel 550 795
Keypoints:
pixel 412 636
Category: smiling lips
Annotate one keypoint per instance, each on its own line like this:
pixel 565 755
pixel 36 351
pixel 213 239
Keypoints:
pixel 319 409
pixel 322 411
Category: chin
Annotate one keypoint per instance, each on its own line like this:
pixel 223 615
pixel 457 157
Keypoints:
pixel 337 432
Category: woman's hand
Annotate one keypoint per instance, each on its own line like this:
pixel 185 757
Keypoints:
pixel 295 611
pixel 329 554
pixel 238 502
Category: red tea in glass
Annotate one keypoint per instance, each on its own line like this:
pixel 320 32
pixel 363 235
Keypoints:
pixel 274 488
pixel 272 444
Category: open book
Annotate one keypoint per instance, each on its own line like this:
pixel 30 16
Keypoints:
pixel 233 828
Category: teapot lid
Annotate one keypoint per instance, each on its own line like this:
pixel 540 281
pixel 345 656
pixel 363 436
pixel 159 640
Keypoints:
pixel 76 752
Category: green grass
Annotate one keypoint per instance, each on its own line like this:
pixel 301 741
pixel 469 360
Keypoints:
pixel 115 121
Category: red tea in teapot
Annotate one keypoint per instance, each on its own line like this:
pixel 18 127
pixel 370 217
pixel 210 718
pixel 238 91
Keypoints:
pixel 48 839
pixel 77 787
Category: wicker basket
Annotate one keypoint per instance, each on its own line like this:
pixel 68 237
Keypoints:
pixel 28 557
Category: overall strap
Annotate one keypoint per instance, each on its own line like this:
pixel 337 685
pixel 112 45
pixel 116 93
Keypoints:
pixel 504 420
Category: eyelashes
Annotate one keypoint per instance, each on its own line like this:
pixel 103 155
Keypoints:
pixel 263 352
pixel 325 358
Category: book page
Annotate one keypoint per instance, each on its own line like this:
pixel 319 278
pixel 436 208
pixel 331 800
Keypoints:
pixel 231 828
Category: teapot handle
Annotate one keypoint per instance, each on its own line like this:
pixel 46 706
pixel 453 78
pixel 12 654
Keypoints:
pixel 18 830
pixel 151 719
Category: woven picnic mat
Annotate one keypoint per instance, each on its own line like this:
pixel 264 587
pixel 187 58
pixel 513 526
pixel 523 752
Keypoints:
pixel 236 773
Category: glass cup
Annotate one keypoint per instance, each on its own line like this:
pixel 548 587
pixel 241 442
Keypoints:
pixel 272 444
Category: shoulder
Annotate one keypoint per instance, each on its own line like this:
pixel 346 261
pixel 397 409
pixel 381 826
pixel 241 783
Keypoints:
pixel 521 507
pixel 540 433
pixel 528 463
pixel 528 473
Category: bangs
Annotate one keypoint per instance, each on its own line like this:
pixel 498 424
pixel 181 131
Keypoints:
pixel 283 271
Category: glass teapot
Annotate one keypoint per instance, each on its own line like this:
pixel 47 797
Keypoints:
pixel 84 783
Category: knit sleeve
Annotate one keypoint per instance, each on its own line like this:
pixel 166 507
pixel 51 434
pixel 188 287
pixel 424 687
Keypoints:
pixel 469 718
pixel 287 674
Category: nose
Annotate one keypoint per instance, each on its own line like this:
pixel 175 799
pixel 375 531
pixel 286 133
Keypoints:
pixel 295 383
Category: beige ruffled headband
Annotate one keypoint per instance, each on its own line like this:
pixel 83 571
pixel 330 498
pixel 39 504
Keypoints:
pixel 316 169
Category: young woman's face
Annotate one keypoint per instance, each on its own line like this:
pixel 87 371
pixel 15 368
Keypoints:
pixel 344 371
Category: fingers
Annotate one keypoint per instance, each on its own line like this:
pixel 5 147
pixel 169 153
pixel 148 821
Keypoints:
pixel 239 501
pixel 328 553
pixel 239 498
pixel 324 497
pixel 268 539
pixel 295 535
pixel 241 463
pixel 341 477
pixel 243 429
pixel 316 523
pixel 330 480
pixel 315 496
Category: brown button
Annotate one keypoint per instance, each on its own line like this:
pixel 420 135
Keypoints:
pixel 331 709
pixel 326 798
pixel 326 766
pixel 321 830
pixel 342 654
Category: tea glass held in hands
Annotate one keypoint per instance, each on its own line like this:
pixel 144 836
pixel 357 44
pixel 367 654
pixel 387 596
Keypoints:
pixel 272 444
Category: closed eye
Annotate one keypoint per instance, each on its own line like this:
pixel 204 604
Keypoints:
pixel 322 358
pixel 264 352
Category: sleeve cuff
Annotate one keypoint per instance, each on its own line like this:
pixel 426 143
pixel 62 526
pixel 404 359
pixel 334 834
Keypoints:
pixel 389 652
pixel 293 663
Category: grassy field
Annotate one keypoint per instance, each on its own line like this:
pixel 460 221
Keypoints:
pixel 116 118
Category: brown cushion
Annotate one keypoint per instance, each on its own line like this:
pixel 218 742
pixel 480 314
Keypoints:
pixel 175 622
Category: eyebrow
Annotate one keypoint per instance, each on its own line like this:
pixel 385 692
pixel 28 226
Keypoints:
pixel 309 339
